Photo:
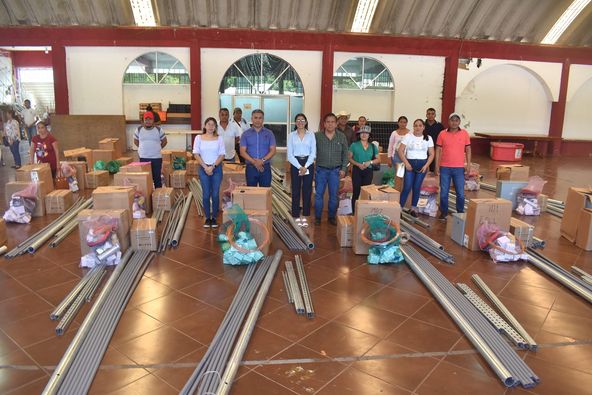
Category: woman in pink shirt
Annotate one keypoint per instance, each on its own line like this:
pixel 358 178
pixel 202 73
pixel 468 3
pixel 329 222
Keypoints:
pixel 395 140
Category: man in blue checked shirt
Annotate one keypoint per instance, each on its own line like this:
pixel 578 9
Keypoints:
pixel 257 146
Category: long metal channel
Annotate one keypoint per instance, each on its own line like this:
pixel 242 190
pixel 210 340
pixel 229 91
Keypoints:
pixel 287 288
pixel 414 220
pixel 249 326
pixel 305 290
pixel 476 339
pixel 585 276
pixel 560 269
pixel 66 362
pixel 504 311
pixel 182 220
pixel 568 282
pixel 93 288
pixel 298 302
pixel 169 225
pixel 193 381
pixel 410 229
pixel 63 233
pixel 503 353
pixel 298 230
pixel 292 241
pixel 488 187
pixel 71 296
pixel 494 318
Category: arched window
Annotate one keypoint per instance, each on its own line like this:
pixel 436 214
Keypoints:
pixel 156 68
pixel 363 73
pixel 261 74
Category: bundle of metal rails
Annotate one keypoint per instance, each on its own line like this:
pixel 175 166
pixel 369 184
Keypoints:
pixel 158 214
pixel 59 228
pixel 281 205
pixel 566 278
pixel 554 207
pixel 414 220
pixel 80 294
pixel 426 243
pixel 175 222
pixel 585 276
pixel 206 378
pixel 498 353
pixel 302 301
pixel 79 364
pixel 487 187
pixel 196 191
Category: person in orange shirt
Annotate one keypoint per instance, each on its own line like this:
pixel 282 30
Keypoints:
pixel 451 147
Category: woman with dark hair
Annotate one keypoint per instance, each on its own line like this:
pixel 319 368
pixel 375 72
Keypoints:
pixel 395 140
pixel 362 155
pixel 13 136
pixel 417 152
pixel 150 139
pixel 302 151
pixel 209 151
pixel 44 148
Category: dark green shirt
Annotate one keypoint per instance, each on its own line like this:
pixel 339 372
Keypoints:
pixel 360 154
pixel 331 153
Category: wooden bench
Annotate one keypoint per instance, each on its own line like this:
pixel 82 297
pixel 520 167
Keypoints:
pixel 535 138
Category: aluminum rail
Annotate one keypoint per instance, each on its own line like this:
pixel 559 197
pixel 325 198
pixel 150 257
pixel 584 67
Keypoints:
pixel 560 269
pixel 294 288
pixel 248 327
pixel 287 288
pixel 62 234
pixel 290 239
pixel 66 362
pixel 3 250
pixel 298 230
pixel 62 307
pixel 305 290
pixel 182 219
pixel 532 345
pixel 488 187
pixel 585 276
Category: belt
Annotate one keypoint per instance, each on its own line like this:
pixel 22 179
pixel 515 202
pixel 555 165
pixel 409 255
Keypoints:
pixel 330 168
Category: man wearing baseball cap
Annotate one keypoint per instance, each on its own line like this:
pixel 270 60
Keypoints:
pixel 150 139
pixel 451 147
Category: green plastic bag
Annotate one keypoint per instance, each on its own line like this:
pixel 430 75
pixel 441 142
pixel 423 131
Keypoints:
pixel 179 163
pixel 242 238
pixel 100 165
pixel 380 230
pixel 388 178
pixel 113 166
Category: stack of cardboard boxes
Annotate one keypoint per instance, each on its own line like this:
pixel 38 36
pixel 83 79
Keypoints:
pixel 493 211
pixel 576 224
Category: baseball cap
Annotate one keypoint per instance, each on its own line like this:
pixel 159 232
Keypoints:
pixel 454 114
pixel 364 129
pixel 148 114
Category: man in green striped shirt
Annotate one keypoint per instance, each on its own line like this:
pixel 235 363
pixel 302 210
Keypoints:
pixel 331 165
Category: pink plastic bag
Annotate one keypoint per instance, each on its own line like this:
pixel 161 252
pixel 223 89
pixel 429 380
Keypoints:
pixel 535 185
pixel 430 183
pixel 486 234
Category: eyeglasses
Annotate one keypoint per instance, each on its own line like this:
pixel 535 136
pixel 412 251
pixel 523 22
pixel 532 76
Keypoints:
pixel 301 120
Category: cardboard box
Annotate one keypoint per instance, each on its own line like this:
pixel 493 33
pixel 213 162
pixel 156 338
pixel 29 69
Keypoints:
pixel 169 155
pixel 103 154
pixel 252 198
pixel 144 234
pixel 496 211
pixel 112 144
pixel 167 171
pixel 124 160
pixel 162 198
pixel 233 176
pixel 522 231
pixel 3 236
pixel 143 183
pixel 136 167
pixel 390 209
pixel 384 159
pixel 379 192
pixel 179 179
pixel 17 186
pixel 509 190
pixel 97 178
pixel 35 173
pixel 114 198
pixel 577 200
pixel 58 201
pixel 86 218
pixel 79 154
pixel 455 227
pixel 192 168
pixel 584 234
pixel 262 215
pixel 345 230
pixel 81 170
pixel 512 172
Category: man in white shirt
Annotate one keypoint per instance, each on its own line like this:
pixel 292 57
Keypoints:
pixel 230 134
pixel 29 118
pixel 240 124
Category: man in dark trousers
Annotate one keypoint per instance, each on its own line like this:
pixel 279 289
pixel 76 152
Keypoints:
pixel 433 129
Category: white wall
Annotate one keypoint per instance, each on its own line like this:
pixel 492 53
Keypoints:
pixel 134 94
pixel 95 76
pixel 418 85
pixel 505 98
pixel 578 117
pixel 374 105
pixel 215 62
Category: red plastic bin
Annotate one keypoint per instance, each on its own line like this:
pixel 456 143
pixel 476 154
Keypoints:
pixel 506 152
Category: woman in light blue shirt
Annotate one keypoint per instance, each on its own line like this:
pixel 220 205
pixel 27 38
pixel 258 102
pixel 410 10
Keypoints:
pixel 209 151
pixel 302 152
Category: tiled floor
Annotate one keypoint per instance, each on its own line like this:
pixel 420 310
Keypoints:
pixel 383 313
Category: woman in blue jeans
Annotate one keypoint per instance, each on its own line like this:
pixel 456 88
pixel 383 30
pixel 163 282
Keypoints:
pixel 13 136
pixel 417 153
pixel 209 151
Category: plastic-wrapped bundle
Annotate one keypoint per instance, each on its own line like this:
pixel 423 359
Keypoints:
pixel 472 178
pixel 384 238
pixel 179 163
pixel 69 172
pixel 501 246
pixel 428 203
pixel 239 246
pixel 22 205
pixel 139 205
pixel 527 199
pixel 101 237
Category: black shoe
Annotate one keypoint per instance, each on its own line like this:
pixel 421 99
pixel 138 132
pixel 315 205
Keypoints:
pixel 333 221
pixel 413 213
pixel 442 217
pixel 317 221
pixel 208 223
pixel 213 223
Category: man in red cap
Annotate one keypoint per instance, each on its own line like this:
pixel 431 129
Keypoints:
pixel 150 139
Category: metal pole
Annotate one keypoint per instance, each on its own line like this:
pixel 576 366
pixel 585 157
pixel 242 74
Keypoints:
pixel 182 219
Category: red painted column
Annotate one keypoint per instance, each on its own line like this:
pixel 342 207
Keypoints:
pixel 327 81
pixel 60 78
pixel 558 110
pixel 449 87
pixel 195 76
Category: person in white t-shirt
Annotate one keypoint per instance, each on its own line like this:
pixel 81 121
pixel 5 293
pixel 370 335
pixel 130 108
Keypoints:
pixel 150 139
pixel 229 133
pixel 29 118
pixel 417 152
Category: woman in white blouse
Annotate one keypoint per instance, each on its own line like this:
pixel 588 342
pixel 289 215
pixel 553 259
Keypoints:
pixel 208 149
pixel 395 141
pixel 302 152
pixel 13 136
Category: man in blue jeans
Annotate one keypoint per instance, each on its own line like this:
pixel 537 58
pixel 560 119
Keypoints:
pixel 452 145
pixel 257 146
pixel 331 164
